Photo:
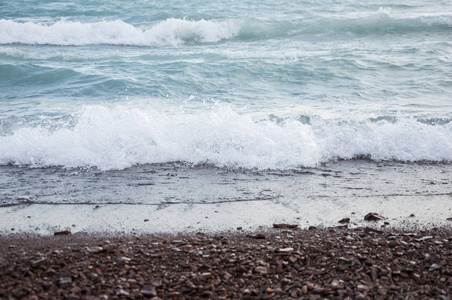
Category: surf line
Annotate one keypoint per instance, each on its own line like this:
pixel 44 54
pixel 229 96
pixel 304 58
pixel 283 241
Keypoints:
pixel 98 204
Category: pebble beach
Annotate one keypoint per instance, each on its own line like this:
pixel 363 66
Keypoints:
pixel 278 263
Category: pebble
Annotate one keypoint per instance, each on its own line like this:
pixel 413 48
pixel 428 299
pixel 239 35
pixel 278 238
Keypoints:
pixel 425 238
pixel 65 282
pixel 122 292
pixel 434 267
pixel 64 232
pixel 373 217
pixel 261 270
pixel 149 291
pixel 285 250
pixel 344 221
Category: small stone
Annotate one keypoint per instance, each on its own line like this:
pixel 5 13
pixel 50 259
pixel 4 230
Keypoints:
pixel 156 282
pixel 449 219
pixel 261 270
pixel 122 292
pixel 336 284
pixel 284 250
pixel 148 291
pixel 76 290
pixel 289 226
pixel 425 238
pixel 123 258
pixel 368 263
pixel 373 217
pixel 64 282
pixel 246 292
pixel 207 294
pixel 38 262
pixel 434 267
pixel 318 290
pixel 95 250
pixel 359 296
pixel 382 291
pixel 362 288
pixel 344 221
pixel 373 274
pixel 277 291
pixel 64 232
pixel 256 236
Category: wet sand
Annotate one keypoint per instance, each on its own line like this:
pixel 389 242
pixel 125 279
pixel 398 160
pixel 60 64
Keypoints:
pixel 173 198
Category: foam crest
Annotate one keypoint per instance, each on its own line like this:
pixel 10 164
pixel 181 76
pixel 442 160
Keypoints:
pixel 117 138
pixel 168 32
pixel 404 140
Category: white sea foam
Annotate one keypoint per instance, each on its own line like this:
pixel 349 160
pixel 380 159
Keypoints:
pixel 117 138
pixel 168 32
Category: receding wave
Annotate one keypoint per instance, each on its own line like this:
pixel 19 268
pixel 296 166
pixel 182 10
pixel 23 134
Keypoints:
pixel 181 31
pixel 120 137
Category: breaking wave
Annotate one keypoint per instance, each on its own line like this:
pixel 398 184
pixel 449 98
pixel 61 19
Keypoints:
pixel 175 32
pixel 120 137
pixel 168 32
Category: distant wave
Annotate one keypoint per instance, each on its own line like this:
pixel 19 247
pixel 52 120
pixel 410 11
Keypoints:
pixel 118 138
pixel 175 32
pixel 168 32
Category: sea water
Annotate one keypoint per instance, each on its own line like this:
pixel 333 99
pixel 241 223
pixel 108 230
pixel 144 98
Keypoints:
pixel 227 94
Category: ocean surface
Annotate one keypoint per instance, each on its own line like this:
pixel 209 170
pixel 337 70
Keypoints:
pixel 109 103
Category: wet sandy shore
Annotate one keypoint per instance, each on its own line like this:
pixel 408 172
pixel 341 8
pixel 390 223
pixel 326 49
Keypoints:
pixel 334 262
pixel 148 198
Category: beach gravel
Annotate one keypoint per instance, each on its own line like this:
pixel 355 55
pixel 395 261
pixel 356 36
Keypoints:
pixel 332 263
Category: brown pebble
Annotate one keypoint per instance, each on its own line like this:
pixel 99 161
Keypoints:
pixel 344 221
pixel 373 217
pixel 261 270
pixel 64 232
pixel 148 291
pixel 289 226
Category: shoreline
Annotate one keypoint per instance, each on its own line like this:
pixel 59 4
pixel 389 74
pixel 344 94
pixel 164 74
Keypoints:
pixel 331 262
pixel 149 198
